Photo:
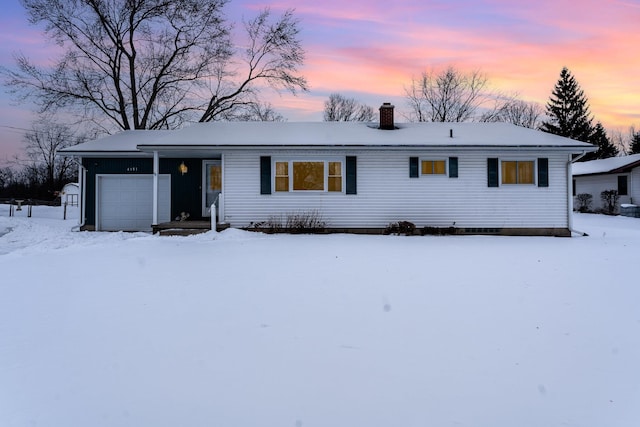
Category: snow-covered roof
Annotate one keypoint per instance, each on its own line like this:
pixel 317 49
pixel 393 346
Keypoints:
pixel 612 164
pixel 328 134
pixel 122 142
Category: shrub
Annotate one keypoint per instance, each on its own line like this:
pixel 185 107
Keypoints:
pixel 438 231
pixel 305 221
pixel 609 201
pixel 401 227
pixel 292 222
pixel 584 202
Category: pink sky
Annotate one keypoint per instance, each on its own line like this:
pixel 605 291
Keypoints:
pixel 370 50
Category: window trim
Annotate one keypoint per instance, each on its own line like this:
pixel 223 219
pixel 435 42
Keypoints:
pixel 326 160
pixel 534 171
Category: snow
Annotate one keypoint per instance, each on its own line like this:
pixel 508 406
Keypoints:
pixel 120 142
pixel 333 134
pixel 604 165
pixel 246 329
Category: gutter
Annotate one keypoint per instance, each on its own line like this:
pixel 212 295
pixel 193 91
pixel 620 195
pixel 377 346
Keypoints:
pixel 570 194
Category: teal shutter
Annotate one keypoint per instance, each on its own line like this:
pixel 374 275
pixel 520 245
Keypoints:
pixel 351 175
pixel 492 172
pixel 413 167
pixel 543 172
pixel 453 167
pixel 265 175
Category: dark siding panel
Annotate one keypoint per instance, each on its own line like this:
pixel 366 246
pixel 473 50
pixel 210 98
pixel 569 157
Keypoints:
pixel 265 175
pixel 453 167
pixel 352 175
pixel 186 190
pixel 543 172
pixel 492 172
pixel 413 167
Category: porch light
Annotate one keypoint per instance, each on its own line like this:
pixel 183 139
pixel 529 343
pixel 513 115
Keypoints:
pixel 183 168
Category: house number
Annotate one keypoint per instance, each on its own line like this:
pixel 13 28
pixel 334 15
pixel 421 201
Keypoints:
pixel 132 169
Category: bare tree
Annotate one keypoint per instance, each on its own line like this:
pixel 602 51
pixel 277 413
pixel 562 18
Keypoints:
pixel 515 111
pixel 45 166
pixel 447 96
pixel 152 64
pixel 341 109
pixel 620 141
pixel 256 112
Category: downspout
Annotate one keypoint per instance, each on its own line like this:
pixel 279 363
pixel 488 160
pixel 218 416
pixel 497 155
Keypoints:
pixel 82 180
pixel 156 171
pixel 570 194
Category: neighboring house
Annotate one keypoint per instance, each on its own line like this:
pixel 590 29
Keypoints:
pixel 615 173
pixel 492 178
pixel 70 194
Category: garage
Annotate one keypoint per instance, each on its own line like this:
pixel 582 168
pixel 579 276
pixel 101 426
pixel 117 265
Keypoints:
pixel 125 202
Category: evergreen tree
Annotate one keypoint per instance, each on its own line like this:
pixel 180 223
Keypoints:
pixel 635 143
pixel 568 110
pixel 605 148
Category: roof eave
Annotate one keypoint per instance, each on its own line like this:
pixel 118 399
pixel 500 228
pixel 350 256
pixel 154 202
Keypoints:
pixel 150 148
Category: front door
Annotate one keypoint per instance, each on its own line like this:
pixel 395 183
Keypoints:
pixel 212 181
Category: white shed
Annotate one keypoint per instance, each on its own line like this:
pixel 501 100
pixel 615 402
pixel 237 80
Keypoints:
pixel 70 194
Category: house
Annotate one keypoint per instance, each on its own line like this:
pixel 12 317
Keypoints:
pixel 492 178
pixel 615 173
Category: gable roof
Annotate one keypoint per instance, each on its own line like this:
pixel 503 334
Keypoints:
pixel 327 134
pixel 610 165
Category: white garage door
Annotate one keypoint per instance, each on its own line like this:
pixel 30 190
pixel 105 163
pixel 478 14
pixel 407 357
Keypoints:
pixel 125 202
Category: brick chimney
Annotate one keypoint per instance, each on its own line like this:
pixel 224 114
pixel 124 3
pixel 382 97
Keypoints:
pixel 386 116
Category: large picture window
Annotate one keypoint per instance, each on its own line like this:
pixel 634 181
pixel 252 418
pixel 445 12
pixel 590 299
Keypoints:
pixel 308 175
pixel 518 172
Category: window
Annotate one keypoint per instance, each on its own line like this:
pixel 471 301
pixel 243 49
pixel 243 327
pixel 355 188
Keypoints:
pixel 282 176
pixel 308 176
pixel 335 176
pixel 518 172
pixel 433 167
pixel 311 175
pixel 623 189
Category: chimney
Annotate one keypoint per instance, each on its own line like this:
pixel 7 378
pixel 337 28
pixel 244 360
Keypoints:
pixel 386 116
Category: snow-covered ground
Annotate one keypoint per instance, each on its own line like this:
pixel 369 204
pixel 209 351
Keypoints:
pixel 245 329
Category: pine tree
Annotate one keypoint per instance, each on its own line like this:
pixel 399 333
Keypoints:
pixel 635 143
pixel 568 110
pixel 605 148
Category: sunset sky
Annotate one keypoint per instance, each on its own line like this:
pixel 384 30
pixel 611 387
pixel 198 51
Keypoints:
pixel 371 49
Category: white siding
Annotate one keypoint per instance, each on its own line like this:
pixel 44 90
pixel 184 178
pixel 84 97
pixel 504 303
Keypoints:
pixel 596 184
pixel 387 194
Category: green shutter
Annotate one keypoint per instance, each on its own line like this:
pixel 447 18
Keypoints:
pixel 492 172
pixel 453 167
pixel 265 175
pixel 351 175
pixel 413 167
pixel 543 172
